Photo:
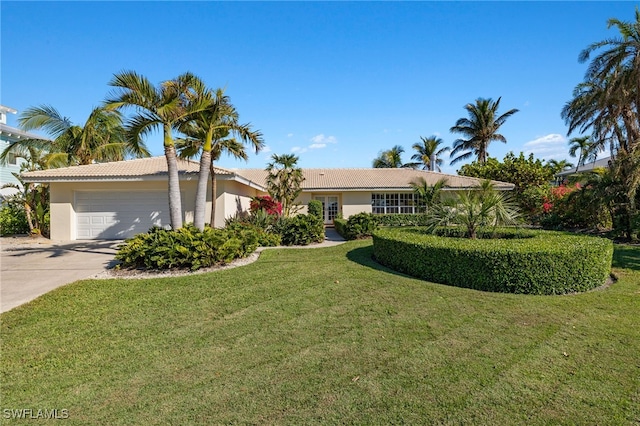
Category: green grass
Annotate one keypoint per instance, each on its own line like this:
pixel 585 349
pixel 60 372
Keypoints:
pixel 325 336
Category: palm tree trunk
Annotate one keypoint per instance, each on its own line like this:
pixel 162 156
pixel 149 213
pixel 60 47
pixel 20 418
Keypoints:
pixel 175 201
pixel 214 189
pixel 201 190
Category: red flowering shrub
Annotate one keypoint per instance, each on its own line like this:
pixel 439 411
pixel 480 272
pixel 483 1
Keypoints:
pixel 557 193
pixel 267 204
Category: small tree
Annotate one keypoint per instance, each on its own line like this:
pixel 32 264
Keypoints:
pixel 284 181
pixel 266 203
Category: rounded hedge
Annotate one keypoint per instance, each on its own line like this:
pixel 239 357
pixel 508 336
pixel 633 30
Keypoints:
pixel 525 261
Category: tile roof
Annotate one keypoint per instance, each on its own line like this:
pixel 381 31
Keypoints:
pixel 118 170
pixel 367 179
pixel 315 179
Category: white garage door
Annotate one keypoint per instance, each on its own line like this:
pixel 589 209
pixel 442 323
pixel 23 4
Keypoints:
pixel 115 215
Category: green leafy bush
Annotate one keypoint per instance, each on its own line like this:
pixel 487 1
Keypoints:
pixel 266 238
pixel 403 219
pixel 314 208
pixel 358 226
pixel 300 230
pixel 13 220
pixel 187 247
pixel 529 261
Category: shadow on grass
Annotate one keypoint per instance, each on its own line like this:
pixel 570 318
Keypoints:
pixel 364 257
pixel 626 256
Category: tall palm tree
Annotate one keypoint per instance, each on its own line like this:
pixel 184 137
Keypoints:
pixel 209 131
pixel 427 149
pixel 165 107
pixel 584 148
pixel 480 129
pixel 392 159
pixel 101 138
pixel 284 180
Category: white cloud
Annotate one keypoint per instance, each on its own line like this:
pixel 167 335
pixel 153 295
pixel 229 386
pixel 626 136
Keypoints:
pixel 322 139
pixel 551 146
pixel 298 149
pixel 289 135
pixel 317 145
pixel 265 149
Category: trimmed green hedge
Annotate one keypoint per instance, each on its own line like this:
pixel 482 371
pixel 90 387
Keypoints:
pixel 402 219
pixel 358 226
pixel 526 261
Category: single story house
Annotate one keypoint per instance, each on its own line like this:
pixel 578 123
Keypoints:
pixel 120 199
pixel 602 163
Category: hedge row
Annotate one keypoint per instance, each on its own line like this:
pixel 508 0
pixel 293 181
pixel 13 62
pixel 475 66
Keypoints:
pixel 402 219
pixel 529 261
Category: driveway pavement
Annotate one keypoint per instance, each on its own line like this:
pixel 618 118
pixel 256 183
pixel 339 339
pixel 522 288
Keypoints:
pixel 31 268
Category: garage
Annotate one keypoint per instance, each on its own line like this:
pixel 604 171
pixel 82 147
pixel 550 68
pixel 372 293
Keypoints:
pixel 116 215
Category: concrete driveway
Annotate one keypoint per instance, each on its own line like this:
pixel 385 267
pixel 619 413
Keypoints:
pixel 31 268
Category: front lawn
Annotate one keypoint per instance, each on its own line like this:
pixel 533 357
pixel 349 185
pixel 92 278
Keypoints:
pixel 324 336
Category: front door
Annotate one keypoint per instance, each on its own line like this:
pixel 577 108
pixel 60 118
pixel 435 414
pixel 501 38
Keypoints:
pixel 330 207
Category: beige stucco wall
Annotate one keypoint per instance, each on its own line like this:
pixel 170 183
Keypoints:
pixel 232 197
pixel 355 202
pixel 63 214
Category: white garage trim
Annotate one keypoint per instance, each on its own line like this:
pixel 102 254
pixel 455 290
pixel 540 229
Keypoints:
pixel 116 215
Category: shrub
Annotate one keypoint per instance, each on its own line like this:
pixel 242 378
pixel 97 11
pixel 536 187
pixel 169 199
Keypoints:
pixel 266 238
pixel 300 230
pixel 314 208
pixel 402 219
pixel 358 226
pixel 267 204
pixel 530 261
pixel 341 227
pixel 187 247
pixel 13 220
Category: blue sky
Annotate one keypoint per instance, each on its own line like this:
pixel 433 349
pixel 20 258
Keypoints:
pixel 332 82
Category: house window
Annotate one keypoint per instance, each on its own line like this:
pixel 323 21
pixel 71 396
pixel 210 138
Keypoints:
pixel 392 203
pixel 11 159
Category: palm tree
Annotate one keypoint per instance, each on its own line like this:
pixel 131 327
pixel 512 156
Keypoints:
pixel 475 209
pixel 101 138
pixel 618 68
pixel 165 107
pixel 427 195
pixel 558 166
pixel 427 149
pixel 480 129
pixel 584 148
pixel 209 131
pixel 392 159
pixel 284 180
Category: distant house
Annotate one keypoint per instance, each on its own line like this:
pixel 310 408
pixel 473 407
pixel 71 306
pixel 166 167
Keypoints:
pixel 8 135
pixel 587 167
pixel 120 199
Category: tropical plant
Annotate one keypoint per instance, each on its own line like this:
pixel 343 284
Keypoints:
pixel 392 159
pixel 584 149
pixel 606 105
pixel 480 129
pixel 474 210
pixel 558 166
pixel 284 181
pixel 266 204
pixel 166 107
pixel 427 195
pixel 101 138
pixel 427 150
pixel 208 132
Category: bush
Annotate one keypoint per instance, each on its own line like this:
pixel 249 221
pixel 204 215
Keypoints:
pixel 314 208
pixel 530 261
pixel 187 247
pixel 402 219
pixel 13 220
pixel 358 226
pixel 266 238
pixel 300 230
pixel 266 203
